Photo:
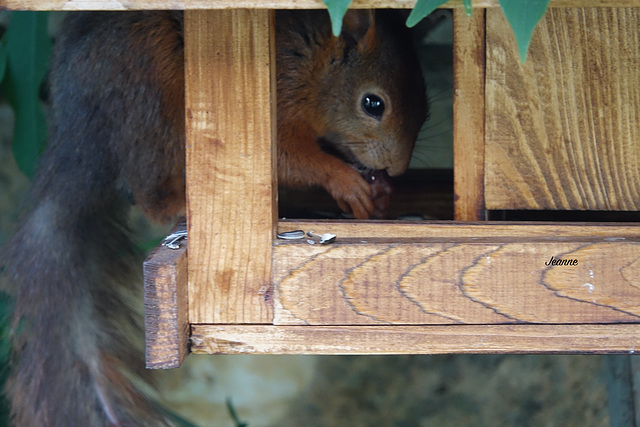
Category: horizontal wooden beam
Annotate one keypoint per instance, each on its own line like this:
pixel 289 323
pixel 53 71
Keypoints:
pixel 465 281
pixel 472 231
pixel 474 339
pixel 268 4
pixel 414 284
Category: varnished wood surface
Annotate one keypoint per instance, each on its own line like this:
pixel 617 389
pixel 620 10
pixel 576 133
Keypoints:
pixel 475 339
pixel 203 4
pixel 230 171
pixel 468 115
pixel 260 4
pixel 491 281
pixel 563 129
pixel 471 231
pixel 166 307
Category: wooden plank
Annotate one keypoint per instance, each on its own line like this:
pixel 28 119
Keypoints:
pixel 563 129
pixel 166 314
pixel 205 4
pixel 471 339
pixel 230 171
pixel 468 116
pixel 470 231
pixel 268 4
pixel 444 281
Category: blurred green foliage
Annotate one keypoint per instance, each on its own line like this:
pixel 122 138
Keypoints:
pixel 523 16
pixel 24 52
pixel 25 49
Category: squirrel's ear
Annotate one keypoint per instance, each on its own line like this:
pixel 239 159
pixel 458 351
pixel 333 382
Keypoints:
pixel 359 25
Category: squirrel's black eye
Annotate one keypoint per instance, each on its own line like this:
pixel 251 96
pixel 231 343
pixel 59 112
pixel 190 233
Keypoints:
pixel 373 105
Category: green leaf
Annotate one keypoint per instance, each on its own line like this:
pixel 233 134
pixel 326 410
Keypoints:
pixel 178 420
pixel 467 7
pixel 27 47
pixel 422 9
pixel 337 9
pixel 3 61
pixel 523 16
pixel 234 415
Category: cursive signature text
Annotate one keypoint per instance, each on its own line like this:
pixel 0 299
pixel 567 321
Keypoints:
pixel 560 261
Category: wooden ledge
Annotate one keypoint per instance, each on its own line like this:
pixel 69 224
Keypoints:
pixel 472 230
pixel 473 339
pixel 269 4
pixel 448 273
pixel 421 288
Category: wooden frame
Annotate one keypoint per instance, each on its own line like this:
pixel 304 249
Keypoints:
pixel 363 293
pixel 266 4
pixel 381 287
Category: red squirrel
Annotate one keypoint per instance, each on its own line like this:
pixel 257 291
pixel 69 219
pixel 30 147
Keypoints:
pixel 349 111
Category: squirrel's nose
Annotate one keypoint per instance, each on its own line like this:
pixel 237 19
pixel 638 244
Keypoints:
pixel 395 170
pixel 399 165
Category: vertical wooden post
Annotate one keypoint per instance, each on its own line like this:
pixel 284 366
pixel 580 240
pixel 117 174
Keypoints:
pixel 166 317
pixel 468 114
pixel 231 182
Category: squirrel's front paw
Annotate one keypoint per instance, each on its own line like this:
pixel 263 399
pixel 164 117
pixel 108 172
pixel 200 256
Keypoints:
pixel 381 191
pixel 362 194
pixel 353 194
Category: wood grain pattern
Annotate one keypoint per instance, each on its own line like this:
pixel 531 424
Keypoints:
pixel 230 171
pixel 438 282
pixel 468 115
pixel 397 339
pixel 563 130
pixel 166 316
pixel 467 231
pixel 204 4
pixel 261 4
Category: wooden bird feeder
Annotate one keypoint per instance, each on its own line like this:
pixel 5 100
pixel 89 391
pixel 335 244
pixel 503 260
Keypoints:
pixel 559 132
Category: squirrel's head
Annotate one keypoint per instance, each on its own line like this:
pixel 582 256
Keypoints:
pixel 371 93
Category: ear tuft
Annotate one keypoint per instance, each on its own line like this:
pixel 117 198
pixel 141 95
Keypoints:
pixel 358 25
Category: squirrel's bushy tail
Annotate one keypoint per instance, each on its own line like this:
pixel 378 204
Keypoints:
pixel 75 337
pixel 70 268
